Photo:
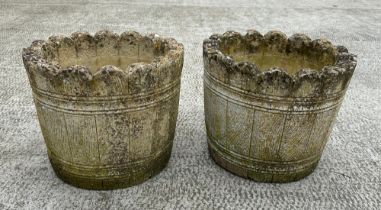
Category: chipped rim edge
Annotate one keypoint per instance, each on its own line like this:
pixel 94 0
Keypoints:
pixel 345 62
pixel 32 55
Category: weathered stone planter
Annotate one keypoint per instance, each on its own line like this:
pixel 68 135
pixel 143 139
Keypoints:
pixel 271 101
pixel 107 105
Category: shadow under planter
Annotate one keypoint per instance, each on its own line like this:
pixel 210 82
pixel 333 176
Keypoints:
pixel 107 104
pixel 271 101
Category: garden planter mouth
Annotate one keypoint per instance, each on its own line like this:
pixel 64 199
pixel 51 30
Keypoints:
pixel 271 101
pixel 107 104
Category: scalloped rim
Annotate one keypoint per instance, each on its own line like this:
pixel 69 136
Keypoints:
pixel 345 62
pixel 34 53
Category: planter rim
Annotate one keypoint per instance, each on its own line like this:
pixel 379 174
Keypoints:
pixel 344 61
pixel 33 55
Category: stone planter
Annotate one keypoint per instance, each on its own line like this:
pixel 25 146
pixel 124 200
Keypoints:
pixel 271 101
pixel 107 105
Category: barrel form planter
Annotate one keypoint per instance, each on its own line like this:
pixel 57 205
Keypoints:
pixel 271 101
pixel 107 104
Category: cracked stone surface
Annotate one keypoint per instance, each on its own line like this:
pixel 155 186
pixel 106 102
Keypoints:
pixel 348 174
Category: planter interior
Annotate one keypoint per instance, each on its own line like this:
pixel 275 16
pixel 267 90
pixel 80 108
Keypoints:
pixel 271 101
pixel 102 50
pixel 267 57
pixel 107 104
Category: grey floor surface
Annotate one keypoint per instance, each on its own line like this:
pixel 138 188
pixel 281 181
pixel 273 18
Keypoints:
pixel 349 173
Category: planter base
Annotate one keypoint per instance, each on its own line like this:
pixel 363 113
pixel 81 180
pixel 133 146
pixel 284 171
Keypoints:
pixel 135 176
pixel 258 170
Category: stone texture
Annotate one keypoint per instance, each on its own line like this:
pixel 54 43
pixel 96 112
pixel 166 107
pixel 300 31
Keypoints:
pixel 348 174
pixel 107 104
pixel 280 94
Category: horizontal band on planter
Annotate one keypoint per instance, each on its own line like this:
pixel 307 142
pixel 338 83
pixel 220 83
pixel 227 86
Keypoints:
pixel 269 97
pixel 116 104
pixel 85 110
pixel 123 165
pixel 100 99
pixel 264 104
pixel 261 165
pixel 112 178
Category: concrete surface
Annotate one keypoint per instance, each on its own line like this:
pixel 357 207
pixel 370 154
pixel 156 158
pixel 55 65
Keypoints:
pixel 349 173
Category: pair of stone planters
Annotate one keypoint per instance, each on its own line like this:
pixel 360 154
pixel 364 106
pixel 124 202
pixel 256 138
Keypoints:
pixel 107 104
